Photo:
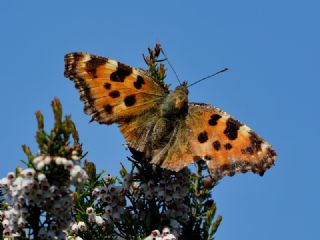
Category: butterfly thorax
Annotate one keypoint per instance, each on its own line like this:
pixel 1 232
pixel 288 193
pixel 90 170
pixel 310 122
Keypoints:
pixel 175 103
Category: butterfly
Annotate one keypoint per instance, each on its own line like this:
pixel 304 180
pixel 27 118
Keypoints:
pixel 163 124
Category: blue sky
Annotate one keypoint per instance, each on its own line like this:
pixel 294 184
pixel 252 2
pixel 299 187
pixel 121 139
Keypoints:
pixel 271 47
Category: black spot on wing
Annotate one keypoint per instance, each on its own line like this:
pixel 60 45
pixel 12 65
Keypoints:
pixel 121 73
pixel 232 128
pixel 203 137
pixel 248 150
pixel 228 146
pixel 94 63
pixel 107 86
pixel 108 108
pixel 139 82
pixel 114 94
pixel 130 100
pixel 216 145
pixel 214 119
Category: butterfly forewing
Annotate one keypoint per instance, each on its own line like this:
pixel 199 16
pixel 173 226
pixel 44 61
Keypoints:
pixel 111 91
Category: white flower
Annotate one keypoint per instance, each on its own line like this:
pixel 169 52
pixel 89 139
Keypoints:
pixel 4 182
pixel 27 183
pixel 74 152
pixel 77 174
pixel 79 238
pixel 169 237
pixel 82 226
pixel 47 160
pixel 5 223
pixel 69 165
pixel 21 222
pixel 64 162
pixel 155 235
pixel 41 177
pixel 11 176
pixel 40 165
pixel 108 178
pixel 96 192
pixel 24 212
pixel 90 210
pixel 38 159
pixel 99 220
pixel 165 231
pixel 58 160
pixel 28 173
pixel 108 209
pixel 75 171
pixel 91 218
pixel 74 228
pixel 75 157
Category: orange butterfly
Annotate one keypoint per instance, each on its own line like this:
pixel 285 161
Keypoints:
pixel 172 132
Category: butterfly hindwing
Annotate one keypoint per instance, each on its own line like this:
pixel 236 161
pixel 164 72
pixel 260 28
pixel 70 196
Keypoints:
pixel 111 91
pixel 224 143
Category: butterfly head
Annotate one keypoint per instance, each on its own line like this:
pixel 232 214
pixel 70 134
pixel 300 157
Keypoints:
pixel 176 102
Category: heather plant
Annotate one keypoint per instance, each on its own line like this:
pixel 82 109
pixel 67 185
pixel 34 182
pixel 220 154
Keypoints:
pixel 58 194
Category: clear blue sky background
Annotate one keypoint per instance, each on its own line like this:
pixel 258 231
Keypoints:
pixel 271 47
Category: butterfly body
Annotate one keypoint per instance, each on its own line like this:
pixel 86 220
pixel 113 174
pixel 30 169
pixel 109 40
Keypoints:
pixel 171 131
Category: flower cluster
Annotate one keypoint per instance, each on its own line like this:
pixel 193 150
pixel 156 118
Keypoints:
pixel 111 199
pixel 101 210
pixel 171 189
pixel 45 194
pixel 78 228
pixel 163 194
pixel 133 200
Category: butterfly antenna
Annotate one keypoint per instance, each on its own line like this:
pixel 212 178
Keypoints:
pixel 212 75
pixel 175 73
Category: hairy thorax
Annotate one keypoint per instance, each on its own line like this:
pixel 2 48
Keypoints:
pixel 173 110
pixel 175 104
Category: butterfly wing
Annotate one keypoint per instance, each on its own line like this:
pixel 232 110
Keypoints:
pixel 224 143
pixel 112 91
